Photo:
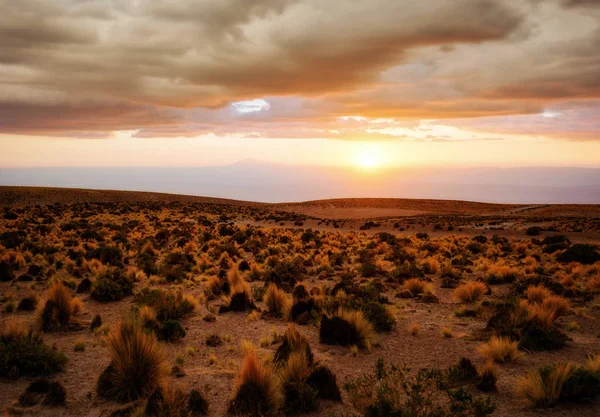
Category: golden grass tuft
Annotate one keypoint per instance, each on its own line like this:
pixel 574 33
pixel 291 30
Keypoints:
pixel 213 285
pixel 57 308
pixel 417 286
pixel 557 303
pixel 296 369
pixel 500 349
pixel 361 325
pixel 537 293
pixel 138 364
pixel 545 316
pixel 470 292
pixel 147 317
pixel 543 390
pixel 257 389
pixel 593 363
pixel 234 277
pixel 14 329
pixel 446 332
pixel 278 301
pixel 431 265
pixel 414 329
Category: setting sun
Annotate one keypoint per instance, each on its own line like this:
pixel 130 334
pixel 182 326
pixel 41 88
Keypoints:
pixel 368 156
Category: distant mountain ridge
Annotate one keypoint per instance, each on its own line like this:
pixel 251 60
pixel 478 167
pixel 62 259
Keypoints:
pixel 274 183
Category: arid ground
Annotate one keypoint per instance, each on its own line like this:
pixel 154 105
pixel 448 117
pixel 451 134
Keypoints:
pixel 433 281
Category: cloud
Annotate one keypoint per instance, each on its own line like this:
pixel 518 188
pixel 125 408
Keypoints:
pixel 85 67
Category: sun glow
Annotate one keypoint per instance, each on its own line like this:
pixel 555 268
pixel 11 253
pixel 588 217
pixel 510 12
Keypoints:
pixel 368 157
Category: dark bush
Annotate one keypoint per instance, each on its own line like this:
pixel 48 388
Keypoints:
pixel 197 403
pixel 84 285
pixel 285 273
pixel 147 263
pixel 6 272
pixel 171 331
pixel 325 383
pixel 43 391
pixel 580 252
pixel 26 354
pixel 27 304
pixel 487 381
pixel 113 285
pixel 535 337
pixel 169 305
pixel 463 371
pixel 337 331
pixel 397 392
pixel 534 231
pixel 96 322
pixel 106 254
pixel 299 397
pixel 582 384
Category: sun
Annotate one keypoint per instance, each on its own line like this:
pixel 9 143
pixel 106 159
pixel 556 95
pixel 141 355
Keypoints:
pixel 367 158
pixel 367 161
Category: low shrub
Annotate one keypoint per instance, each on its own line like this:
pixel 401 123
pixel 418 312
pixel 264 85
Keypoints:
pixel 24 353
pixel 171 331
pixel 42 391
pixel 583 253
pixel 488 377
pixel 397 391
pixel 325 383
pixel 111 285
pixel 167 304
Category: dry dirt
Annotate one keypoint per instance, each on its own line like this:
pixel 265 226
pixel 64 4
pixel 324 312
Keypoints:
pixel 403 218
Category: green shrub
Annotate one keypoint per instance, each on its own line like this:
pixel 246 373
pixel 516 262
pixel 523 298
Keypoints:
pixel 582 384
pixel 112 285
pixel 169 305
pixel 171 331
pixel 396 391
pixel 23 353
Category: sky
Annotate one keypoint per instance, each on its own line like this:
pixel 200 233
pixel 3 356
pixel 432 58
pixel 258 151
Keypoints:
pixel 372 85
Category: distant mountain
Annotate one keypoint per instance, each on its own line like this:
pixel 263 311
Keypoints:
pixel 257 181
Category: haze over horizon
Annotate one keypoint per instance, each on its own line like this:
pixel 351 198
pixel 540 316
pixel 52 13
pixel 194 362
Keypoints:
pixel 434 99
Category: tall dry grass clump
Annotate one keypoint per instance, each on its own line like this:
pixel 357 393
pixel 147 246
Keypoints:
pixel 537 293
pixel 470 292
pixel 257 389
pixel 138 363
pixel 557 303
pixel 278 301
pixel 293 342
pixel 542 388
pixel 500 349
pixel 346 328
pixel 57 308
pixel 417 286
